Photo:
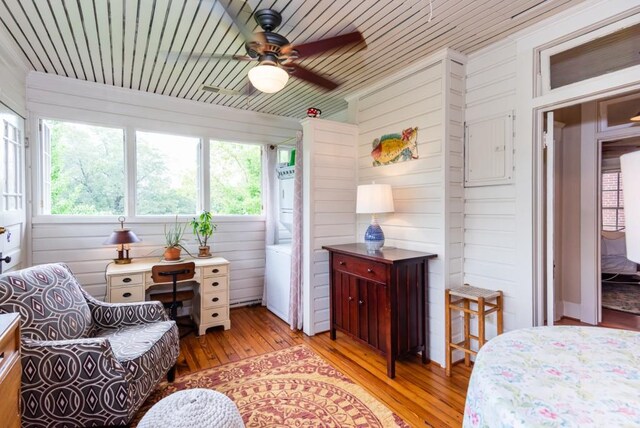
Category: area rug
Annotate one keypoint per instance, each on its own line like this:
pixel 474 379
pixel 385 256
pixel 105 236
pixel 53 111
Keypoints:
pixel 292 387
pixel 621 297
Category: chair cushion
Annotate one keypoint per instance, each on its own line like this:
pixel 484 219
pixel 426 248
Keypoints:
pixel 147 352
pixel 49 300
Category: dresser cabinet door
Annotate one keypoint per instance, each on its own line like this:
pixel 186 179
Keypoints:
pixel 371 313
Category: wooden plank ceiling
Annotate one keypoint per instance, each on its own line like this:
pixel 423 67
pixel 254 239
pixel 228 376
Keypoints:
pixel 127 43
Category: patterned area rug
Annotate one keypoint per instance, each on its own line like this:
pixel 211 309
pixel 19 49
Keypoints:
pixel 621 297
pixel 290 387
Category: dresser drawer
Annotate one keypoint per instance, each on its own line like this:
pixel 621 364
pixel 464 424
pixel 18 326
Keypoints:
pixel 214 284
pixel 10 393
pixel 215 299
pixel 120 280
pixel 217 270
pixel 126 295
pixel 213 315
pixel 9 348
pixel 370 270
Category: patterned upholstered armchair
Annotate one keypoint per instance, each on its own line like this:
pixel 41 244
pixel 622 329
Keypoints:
pixel 84 362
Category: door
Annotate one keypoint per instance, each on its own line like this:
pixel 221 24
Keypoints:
pixel 12 189
pixel 550 157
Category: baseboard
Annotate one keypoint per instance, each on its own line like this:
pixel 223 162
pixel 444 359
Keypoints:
pixel 571 310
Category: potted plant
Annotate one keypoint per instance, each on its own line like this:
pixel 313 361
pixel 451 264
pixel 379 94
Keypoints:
pixel 203 228
pixel 173 240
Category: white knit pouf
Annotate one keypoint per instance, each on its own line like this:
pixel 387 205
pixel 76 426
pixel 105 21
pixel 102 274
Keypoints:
pixel 193 408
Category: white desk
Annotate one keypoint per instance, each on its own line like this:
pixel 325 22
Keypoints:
pixel 210 306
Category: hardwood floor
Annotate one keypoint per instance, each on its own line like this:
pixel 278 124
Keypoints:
pixel 421 394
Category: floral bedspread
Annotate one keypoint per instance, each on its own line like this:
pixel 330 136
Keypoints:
pixel 556 377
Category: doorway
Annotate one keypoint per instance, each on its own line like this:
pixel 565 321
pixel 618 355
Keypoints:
pixel 620 292
pixel 582 212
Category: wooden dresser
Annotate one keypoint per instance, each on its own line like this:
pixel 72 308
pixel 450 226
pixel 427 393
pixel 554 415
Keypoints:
pixel 210 306
pixel 380 299
pixel 10 370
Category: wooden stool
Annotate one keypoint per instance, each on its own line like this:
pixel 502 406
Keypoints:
pixel 467 294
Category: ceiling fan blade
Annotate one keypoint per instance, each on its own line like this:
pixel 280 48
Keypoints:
pixel 181 56
pixel 323 45
pixel 248 90
pixel 241 14
pixel 311 77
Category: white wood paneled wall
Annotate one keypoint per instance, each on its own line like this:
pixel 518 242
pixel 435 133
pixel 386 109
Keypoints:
pixel 329 199
pixel 427 191
pixel 489 211
pixel 78 242
pixel 13 76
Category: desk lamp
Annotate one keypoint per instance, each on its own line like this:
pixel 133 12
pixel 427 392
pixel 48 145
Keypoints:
pixel 630 165
pixel 374 199
pixel 122 238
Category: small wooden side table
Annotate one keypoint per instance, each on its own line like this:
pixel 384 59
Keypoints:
pixel 464 296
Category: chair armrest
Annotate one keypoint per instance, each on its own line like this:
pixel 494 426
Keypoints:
pixel 111 315
pixel 79 377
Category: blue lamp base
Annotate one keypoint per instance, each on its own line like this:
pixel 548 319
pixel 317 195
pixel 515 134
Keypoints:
pixel 374 237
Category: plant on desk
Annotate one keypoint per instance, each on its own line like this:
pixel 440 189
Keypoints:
pixel 173 236
pixel 203 228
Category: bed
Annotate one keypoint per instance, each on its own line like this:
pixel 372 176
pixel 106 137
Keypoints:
pixel 556 376
pixel 613 251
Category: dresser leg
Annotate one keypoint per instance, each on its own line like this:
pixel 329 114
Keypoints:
pixel 391 367
pixel 332 333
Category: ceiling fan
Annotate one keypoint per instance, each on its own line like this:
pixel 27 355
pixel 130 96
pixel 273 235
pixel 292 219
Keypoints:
pixel 276 56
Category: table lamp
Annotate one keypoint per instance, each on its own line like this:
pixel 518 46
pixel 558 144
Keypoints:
pixel 122 238
pixel 374 199
pixel 630 165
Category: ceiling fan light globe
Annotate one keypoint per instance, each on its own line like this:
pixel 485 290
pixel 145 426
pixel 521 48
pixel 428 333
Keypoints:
pixel 268 78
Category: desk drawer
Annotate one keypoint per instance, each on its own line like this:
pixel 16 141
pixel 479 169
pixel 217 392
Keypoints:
pixel 120 280
pixel 214 284
pixel 217 270
pixel 126 295
pixel 215 299
pixel 215 314
pixel 368 269
pixel 10 393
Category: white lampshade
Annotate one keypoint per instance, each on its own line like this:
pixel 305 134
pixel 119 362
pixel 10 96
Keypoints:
pixel 630 164
pixel 374 199
pixel 268 78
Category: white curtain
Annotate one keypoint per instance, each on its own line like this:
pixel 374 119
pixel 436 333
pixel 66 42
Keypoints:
pixel 295 302
pixel 270 186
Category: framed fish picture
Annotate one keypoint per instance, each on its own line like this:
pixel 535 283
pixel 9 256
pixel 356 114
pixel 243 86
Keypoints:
pixel 392 148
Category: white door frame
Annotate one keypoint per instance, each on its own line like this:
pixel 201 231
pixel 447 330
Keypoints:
pixel 591 311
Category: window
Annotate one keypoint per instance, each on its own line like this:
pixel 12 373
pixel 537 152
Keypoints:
pixel 167 174
pixel 236 179
pixel 83 169
pixel 612 201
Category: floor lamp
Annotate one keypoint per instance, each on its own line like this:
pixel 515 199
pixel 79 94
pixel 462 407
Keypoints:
pixel 630 165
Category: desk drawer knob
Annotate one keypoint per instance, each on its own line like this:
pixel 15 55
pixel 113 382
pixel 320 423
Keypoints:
pixel 215 270
pixel 126 280
pixel 341 263
pixel 370 270
pixel 215 299
pixel 215 284
pixel 126 295
pixel 361 302
pixel 214 315
pixel 350 298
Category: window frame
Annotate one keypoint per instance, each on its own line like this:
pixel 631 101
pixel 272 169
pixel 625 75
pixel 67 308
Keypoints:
pixel 618 208
pixel 130 159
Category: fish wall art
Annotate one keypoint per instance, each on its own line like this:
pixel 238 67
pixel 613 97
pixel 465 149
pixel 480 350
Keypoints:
pixel 392 148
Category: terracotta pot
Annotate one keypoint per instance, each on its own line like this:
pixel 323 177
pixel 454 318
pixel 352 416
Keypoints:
pixel 172 253
pixel 204 251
